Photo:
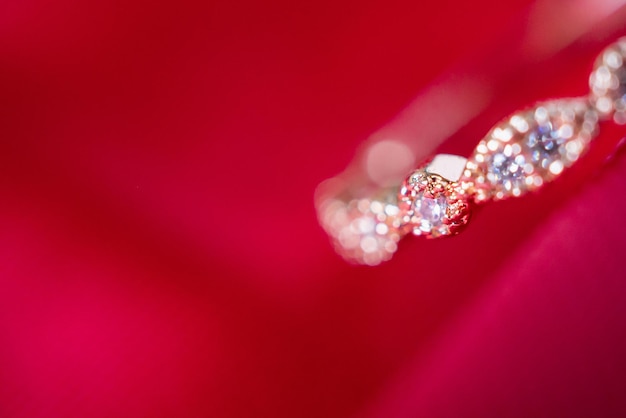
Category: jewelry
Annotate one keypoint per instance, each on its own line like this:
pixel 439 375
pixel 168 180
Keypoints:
pixel 520 154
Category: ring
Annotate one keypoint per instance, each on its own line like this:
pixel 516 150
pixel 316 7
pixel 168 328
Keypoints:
pixel 520 154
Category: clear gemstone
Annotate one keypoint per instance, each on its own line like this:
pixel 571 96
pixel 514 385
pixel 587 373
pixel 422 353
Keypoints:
pixel 543 143
pixel 543 137
pixel 430 211
pixel 507 168
pixel 433 207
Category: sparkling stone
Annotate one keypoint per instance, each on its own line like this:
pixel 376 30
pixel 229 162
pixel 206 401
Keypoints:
pixel 430 211
pixel 543 143
pixel 433 207
pixel 543 137
pixel 507 168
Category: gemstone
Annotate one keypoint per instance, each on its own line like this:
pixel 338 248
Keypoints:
pixel 544 138
pixel 432 206
pixel 544 142
pixel 430 211
pixel 507 168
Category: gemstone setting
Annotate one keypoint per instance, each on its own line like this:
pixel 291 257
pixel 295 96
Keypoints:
pixel 432 206
pixel 529 148
pixel 430 211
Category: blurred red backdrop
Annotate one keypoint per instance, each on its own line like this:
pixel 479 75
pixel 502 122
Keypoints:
pixel 159 250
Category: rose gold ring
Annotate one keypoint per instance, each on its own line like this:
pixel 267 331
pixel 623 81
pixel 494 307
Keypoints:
pixel 520 154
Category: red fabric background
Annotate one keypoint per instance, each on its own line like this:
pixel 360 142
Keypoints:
pixel 159 251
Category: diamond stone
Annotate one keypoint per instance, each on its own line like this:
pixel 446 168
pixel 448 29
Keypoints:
pixel 430 211
pixel 544 142
pixel 432 206
pixel 507 168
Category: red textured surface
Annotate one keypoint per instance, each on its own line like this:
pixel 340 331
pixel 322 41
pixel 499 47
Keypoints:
pixel 159 252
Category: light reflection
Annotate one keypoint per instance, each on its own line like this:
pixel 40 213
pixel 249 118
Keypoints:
pixel 387 161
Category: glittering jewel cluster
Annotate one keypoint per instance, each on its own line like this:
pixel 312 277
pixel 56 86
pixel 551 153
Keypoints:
pixel 364 231
pixel 520 154
pixel 529 148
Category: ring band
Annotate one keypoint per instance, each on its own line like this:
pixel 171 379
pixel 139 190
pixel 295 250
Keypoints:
pixel 520 154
